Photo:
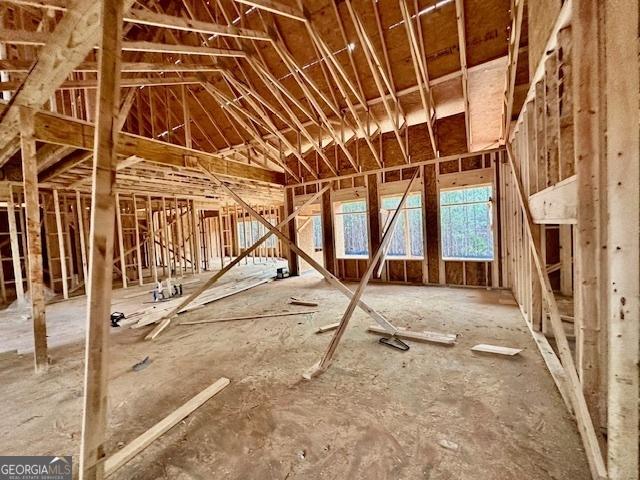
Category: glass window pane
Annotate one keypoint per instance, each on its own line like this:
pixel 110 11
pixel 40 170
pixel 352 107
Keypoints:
pixel 407 235
pixel 317 232
pixel 465 218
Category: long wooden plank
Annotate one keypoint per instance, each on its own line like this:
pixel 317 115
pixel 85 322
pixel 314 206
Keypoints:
pixel 15 65
pixel 122 456
pixel 94 421
pixel 556 204
pixel 325 362
pixel 583 418
pixel 425 336
pixel 53 128
pixel 248 317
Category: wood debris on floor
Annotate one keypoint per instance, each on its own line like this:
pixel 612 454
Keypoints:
pixel 498 350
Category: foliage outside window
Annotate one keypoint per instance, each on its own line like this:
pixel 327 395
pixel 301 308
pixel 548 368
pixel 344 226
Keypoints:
pixel 407 240
pixel 317 232
pixel 249 231
pixel 465 223
pixel 352 239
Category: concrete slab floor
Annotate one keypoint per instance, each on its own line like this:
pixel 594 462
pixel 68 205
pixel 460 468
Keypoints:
pixel 434 412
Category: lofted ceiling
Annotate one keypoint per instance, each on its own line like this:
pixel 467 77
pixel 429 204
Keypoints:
pixel 288 78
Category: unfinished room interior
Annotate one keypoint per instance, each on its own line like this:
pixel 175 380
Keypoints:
pixel 345 239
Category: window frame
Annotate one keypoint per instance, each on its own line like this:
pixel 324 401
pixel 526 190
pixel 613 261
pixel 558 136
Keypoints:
pixel 405 213
pixel 340 252
pixel 491 204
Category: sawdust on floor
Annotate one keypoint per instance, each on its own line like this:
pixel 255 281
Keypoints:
pixel 434 412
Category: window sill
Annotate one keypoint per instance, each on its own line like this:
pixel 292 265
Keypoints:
pixel 390 257
pixel 468 259
pixel 353 257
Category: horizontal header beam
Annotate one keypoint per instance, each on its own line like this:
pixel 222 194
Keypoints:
pixel 60 130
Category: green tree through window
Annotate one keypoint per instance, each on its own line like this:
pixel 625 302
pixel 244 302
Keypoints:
pixel 465 223
pixel 351 225
pixel 407 237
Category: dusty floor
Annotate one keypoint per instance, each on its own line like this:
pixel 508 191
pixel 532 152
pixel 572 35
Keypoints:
pixel 375 414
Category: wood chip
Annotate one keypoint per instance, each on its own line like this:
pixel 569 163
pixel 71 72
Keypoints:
pixel 328 327
pixel 483 347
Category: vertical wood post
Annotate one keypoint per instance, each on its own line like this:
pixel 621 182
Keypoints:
pixel 61 248
pixel 196 238
pixel 590 301
pixel 137 231
pixel 328 243
pixel 94 418
pixel 15 248
pixel 151 231
pixel 34 241
pixel 294 264
pixel 83 248
pixel 623 245
pixel 123 259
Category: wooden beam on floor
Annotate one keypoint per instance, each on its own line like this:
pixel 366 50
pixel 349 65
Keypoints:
pixel 332 279
pixel 94 421
pixel 326 360
pixel 164 323
pixel 34 241
pixel 129 451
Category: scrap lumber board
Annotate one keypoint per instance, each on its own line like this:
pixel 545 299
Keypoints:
pixel 483 347
pixel 202 302
pixel 204 299
pixel 433 337
pixel 304 303
pixel 328 327
pixel 248 317
pixel 118 459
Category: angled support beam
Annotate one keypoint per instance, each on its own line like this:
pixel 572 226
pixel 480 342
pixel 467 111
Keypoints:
pixel 510 80
pixel 80 28
pixel 94 422
pixel 147 17
pixel 325 362
pixel 422 76
pixel 332 279
pixel 167 318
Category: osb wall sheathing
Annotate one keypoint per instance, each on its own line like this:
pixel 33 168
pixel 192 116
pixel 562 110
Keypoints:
pixel 542 15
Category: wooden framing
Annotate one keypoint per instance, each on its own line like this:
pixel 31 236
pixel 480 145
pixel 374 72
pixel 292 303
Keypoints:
pixel 94 420
pixel 34 242
pixel 324 363
pixel 256 107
